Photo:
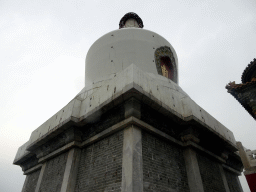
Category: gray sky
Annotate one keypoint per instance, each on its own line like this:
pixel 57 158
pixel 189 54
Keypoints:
pixel 43 45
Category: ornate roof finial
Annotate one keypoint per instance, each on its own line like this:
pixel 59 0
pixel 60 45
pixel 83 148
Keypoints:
pixel 130 16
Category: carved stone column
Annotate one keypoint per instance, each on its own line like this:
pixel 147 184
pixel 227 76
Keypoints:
pixel 193 172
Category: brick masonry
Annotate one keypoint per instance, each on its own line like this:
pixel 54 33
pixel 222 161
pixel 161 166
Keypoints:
pixel 31 181
pixel 100 167
pixel 53 174
pixel 163 165
pixel 210 174
pixel 232 181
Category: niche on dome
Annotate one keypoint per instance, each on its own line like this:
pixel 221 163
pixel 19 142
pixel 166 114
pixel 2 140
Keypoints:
pixel 165 63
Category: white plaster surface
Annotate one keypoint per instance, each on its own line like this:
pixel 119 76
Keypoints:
pixel 160 89
pixel 117 49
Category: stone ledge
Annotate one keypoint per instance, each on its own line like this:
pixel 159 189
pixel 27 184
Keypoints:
pixel 59 151
pixel 122 125
pixel 196 146
pixel 231 169
pixel 22 154
pixel 33 169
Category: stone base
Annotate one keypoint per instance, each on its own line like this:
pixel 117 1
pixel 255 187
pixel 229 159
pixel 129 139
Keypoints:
pixel 132 156
pixel 134 132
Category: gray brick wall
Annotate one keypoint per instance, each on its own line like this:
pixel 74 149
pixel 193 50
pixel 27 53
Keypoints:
pixel 53 174
pixel 163 165
pixel 232 181
pixel 31 181
pixel 100 167
pixel 210 173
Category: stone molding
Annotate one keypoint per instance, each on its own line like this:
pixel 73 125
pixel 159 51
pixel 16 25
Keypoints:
pixel 231 170
pixel 33 169
pixel 144 126
pixel 190 137
pixel 59 151
pixel 196 146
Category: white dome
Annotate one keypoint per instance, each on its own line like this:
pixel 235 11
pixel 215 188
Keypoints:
pixel 118 49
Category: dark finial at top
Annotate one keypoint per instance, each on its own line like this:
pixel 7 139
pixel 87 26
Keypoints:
pixel 128 16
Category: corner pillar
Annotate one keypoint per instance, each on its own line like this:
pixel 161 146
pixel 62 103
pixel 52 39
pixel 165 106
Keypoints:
pixel 132 170
pixel 40 178
pixel 224 179
pixel 193 172
pixel 70 174
pixel 194 177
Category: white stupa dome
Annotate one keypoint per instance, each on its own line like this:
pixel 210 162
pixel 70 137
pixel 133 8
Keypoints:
pixel 128 45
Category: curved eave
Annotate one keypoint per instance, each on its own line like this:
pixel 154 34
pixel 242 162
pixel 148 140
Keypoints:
pixel 236 90
pixel 249 71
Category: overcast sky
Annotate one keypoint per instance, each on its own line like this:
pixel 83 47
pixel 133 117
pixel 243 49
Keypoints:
pixel 43 45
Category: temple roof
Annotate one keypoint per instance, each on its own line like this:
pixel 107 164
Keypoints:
pixel 249 72
pixel 244 94
pixel 233 87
